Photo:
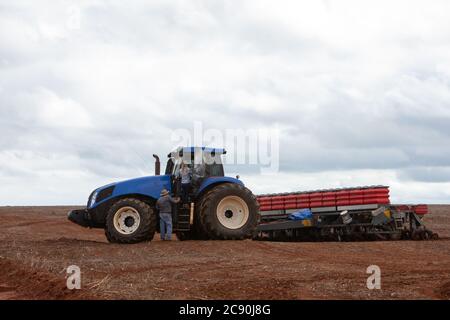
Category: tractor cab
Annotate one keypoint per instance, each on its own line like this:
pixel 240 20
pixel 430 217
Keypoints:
pixel 201 160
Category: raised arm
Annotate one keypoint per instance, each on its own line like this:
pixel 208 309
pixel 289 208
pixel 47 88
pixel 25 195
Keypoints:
pixel 174 200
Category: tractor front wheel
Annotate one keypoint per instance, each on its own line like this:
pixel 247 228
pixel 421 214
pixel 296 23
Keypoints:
pixel 130 221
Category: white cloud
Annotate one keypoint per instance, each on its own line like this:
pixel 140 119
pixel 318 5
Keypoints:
pixel 54 111
pixel 360 89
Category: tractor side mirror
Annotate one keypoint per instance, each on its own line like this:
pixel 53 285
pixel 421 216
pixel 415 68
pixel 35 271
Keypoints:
pixel 157 165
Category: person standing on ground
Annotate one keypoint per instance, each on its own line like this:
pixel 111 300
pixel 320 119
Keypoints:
pixel 164 205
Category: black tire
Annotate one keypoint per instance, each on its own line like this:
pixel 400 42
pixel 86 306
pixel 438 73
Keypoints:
pixel 395 236
pixel 198 229
pixel 209 224
pixel 416 235
pixel 144 232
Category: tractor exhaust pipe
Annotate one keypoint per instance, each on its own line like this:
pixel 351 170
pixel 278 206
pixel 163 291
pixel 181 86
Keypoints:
pixel 157 165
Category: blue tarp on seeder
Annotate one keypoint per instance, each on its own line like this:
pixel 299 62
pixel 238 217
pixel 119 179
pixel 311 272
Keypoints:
pixel 303 214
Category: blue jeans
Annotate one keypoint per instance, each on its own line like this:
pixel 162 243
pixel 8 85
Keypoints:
pixel 165 221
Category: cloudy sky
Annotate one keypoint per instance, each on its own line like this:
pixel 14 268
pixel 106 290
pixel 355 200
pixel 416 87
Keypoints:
pixel 360 91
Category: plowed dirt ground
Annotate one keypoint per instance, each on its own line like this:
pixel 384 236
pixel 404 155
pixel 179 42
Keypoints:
pixel 37 244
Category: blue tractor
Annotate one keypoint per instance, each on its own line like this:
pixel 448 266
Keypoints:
pixel 219 207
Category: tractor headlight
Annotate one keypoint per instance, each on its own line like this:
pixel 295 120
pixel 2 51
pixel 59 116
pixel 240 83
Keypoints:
pixel 93 199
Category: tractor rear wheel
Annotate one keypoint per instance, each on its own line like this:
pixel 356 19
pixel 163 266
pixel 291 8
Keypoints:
pixel 130 221
pixel 228 212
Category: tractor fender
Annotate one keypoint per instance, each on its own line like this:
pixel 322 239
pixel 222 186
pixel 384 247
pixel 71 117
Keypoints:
pixel 211 182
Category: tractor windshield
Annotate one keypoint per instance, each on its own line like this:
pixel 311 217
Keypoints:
pixel 214 170
pixel 205 166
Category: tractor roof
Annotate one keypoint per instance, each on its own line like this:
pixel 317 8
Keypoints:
pixel 185 150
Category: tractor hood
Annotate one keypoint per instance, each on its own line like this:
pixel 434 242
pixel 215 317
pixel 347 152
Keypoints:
pixel 145 186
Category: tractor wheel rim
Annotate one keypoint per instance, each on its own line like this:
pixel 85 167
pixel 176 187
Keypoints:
pixel 232 212
pixel 127 220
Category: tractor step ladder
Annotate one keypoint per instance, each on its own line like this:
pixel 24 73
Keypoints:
pixel 184 219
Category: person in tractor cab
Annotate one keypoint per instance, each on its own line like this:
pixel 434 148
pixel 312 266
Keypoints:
pixel 198 176
pixel 164 205
pixel 185 175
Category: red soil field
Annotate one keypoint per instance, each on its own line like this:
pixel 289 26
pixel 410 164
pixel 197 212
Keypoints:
pixel 37 244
